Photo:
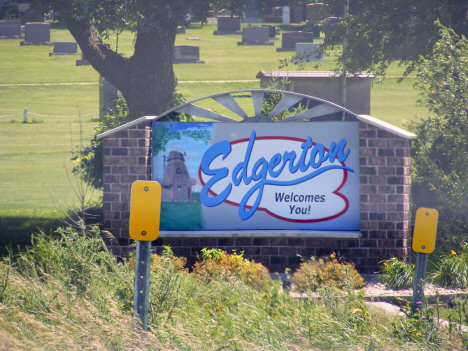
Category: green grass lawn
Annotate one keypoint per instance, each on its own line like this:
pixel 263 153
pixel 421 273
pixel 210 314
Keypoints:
pixel 33 155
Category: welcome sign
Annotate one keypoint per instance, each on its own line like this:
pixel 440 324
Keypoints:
pixel 241 176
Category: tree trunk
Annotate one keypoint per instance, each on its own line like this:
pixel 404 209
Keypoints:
pixel 146 79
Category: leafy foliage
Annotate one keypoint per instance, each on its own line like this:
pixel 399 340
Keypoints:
pixel 326 272
pixel 381 32
pixel 396 274
pixel 88 162
pixel 452 269
pixel 217 265
pixel 440 179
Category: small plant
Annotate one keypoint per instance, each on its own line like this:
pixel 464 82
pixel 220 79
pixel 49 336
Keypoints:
pixel 159 262
pixel 217 265
pixel 396 274
pixel 326 272
pixel 419 324
pixel 452 269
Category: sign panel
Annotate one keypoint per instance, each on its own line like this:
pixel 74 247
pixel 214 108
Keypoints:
pixel 145 204
pixel 241 176
pixel 425 230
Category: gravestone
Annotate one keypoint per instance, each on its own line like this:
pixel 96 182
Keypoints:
pixel 180 30
pixel 316 12
pixel 305 52
pixel 329 22
pixel 255 36
pixel 290 39
pixel 107 93
pixel 272 19
pixel 251 11
pixel 228 25
pixel 10 29
pixel 186 54
pixel 271 31
pixel 277 11
pixel 286 16
pixel 30 16
pixel 65 48
pixel 316 31
pixel 297 15
pixel 37 34
pixel 83 61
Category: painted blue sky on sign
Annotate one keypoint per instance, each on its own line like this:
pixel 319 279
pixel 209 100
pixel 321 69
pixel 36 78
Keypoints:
pixel 194 149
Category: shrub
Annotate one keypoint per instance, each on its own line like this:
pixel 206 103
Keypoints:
pixel 396 274
pixel 452 269
pixel 158 262
pixel 327 271
pixel 217 265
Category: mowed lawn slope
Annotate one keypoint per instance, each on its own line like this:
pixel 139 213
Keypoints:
pixel 33 156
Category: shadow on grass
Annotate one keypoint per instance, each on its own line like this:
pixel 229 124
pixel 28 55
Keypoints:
pixel 16 231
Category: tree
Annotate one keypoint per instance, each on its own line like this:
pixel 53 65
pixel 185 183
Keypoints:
pixel 384 31
pixel 146 79
pixel 440 152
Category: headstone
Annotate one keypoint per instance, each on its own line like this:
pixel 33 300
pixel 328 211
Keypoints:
pixel 10 29
pixel 305 52
pixel 180 30
pixel 286 16
pixel 297 15
pixel 272 19
pixel 329 22
pixel 251 11
pixel 255 36
pixel 83 61
pixel 228 25
pixel 316 12
pixel 107 92
pixel 277 11
pixel 186 54
pixel 271 30
pixel 65 48
pixel 290 39
pixel 316 31
pixel 30 16
pixel 37 34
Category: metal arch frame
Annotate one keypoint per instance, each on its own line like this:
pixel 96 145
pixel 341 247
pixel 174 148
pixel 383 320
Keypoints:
pixel 289 99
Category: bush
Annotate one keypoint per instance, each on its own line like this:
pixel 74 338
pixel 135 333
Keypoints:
pixel 327 271
pixel 217 265
pixel 452 269
pixel 396 274
pixel 158 262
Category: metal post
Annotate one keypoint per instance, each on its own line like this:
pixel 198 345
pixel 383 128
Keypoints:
pixel 25 116
pixel 419 276
pixel 142 279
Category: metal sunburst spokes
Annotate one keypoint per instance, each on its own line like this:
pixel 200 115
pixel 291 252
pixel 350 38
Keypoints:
pixel 311 107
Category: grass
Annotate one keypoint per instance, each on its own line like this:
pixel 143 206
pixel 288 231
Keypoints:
pixel 69 292
pixel 32 155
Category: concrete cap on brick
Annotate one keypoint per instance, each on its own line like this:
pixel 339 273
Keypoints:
pixel 386 126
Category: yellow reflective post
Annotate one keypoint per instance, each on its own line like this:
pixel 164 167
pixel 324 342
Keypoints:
pixel 145 210
pixel 424 236
pixel 425 230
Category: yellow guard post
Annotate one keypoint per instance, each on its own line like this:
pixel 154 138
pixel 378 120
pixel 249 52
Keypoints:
pixel 425 230
pixel 145 210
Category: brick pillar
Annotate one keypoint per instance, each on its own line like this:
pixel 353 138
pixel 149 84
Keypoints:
pixel 385 184
pixel 127 158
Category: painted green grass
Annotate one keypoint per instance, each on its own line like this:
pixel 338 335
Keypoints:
pixel 181 216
